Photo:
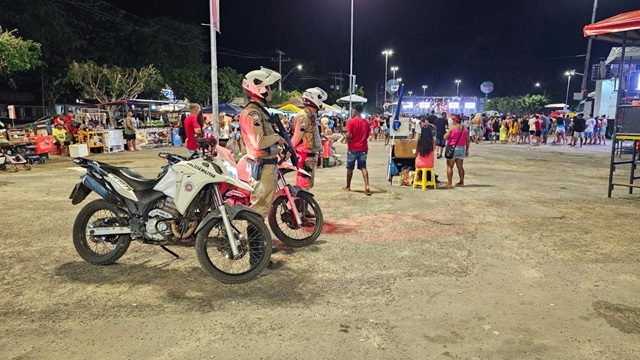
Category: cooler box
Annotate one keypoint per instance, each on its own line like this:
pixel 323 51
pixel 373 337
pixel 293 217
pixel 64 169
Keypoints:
pixel 175 136
pixel 78 150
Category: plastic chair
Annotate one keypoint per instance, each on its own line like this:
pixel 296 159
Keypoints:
pixel 424 182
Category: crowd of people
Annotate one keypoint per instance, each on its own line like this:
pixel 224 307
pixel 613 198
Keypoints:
pixel 537 129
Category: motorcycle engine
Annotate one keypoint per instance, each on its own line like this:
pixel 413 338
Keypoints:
pixel 158 226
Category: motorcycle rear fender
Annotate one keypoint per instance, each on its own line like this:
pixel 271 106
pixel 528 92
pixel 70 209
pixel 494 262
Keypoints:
pixel 295 190
pixel 232 211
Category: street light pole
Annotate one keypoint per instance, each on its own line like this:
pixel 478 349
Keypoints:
pixel 458 88
pixel 351 66
pixel 299 67
pixel 566 101
pixel 386 54
pixel 544 92
pixel 588 58
pixel 394 69
pixel 424 90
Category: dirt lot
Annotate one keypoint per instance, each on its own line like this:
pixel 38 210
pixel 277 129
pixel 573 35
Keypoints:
pixel 530 261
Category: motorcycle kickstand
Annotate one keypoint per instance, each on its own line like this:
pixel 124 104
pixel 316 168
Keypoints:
pixel 170 252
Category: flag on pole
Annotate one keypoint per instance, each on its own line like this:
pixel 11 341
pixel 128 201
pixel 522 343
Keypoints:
pixel 215 16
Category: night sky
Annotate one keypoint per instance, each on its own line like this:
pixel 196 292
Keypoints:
pixel 512 43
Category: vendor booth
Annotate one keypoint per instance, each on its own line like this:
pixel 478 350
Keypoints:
pixel 623 29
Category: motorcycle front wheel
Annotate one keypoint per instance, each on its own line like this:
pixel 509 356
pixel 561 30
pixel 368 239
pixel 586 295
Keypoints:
pixel 99 250
pixel 254 248
pixel 283 224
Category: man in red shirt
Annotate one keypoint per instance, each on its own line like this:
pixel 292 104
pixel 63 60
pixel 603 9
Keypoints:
pixel 192 128
pixel 358 130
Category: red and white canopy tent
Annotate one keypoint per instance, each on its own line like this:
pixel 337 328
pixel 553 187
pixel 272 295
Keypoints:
pixel 621 29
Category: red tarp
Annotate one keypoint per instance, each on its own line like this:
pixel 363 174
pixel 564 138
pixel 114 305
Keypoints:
pixel 612 28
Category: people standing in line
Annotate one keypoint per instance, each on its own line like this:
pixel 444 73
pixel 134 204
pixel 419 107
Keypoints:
pixel 387 130
pixel 457 137
pixel 560 136
pixel 259 137
pixel 442 125
pixel 602 133
pixel 545 128
pixel 358 131
pixel 130 132
pixel 476 128
pixel 579 125
pixel 306 136
pixel 515 129
pixel 432 118
pixel 495 130
pixel 538 126
pixel 193 128
pixel 591 126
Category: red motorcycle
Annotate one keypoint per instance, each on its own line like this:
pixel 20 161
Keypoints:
pixel 295 217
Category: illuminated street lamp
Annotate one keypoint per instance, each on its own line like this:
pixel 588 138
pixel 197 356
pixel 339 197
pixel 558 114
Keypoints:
pixel 424 90
pixel 541 89
pixel 299 67
pixel 394 69
pixel 458 87
pixel 569 74
pixel 410 93
pixel 386 54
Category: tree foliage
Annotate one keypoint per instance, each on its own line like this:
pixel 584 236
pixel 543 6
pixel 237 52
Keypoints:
pixel 17 54
pixel 229 84
pixel 111 83
pixel 527 104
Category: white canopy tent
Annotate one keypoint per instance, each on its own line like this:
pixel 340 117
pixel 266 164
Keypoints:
pixel 556 106
pixel 616 54
pixel 354 99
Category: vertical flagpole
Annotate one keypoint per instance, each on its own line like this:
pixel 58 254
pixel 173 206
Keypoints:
pixel 213 16
pixel 351 84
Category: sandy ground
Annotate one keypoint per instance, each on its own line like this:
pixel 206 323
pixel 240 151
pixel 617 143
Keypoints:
pixel 530 261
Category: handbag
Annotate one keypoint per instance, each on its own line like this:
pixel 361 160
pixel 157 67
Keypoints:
pixel 448 150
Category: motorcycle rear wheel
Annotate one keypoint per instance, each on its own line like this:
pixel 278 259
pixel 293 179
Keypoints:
pixel 283 225
pixel 214 251
pixel 88 246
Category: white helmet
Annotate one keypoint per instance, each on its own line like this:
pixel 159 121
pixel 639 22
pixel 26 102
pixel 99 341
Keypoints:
pixel 314 97
pixel 257 81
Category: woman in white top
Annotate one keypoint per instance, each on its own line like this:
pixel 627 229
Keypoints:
pixel 225 129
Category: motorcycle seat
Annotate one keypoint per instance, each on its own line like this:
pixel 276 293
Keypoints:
pixel 133 178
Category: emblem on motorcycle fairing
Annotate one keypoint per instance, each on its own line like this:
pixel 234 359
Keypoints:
pixel 188 187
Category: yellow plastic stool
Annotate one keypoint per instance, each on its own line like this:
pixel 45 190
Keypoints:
pixel 424 181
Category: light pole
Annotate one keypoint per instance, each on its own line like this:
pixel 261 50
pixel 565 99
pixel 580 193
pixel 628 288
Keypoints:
pixel 424 90
pixel 569 74
pixel 588 58
pixel 410 93
pixel 351 66
pixel 544 92
pixel 458 88
pixel 386 54
pixel 394 69
pixel 299 67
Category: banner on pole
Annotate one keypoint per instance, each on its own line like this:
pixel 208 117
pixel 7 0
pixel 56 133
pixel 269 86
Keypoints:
pixel 215 16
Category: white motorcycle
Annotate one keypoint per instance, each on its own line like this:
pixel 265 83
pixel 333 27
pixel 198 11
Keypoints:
pixel 182 206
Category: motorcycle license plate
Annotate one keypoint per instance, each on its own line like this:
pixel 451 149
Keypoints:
pixel 79 193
